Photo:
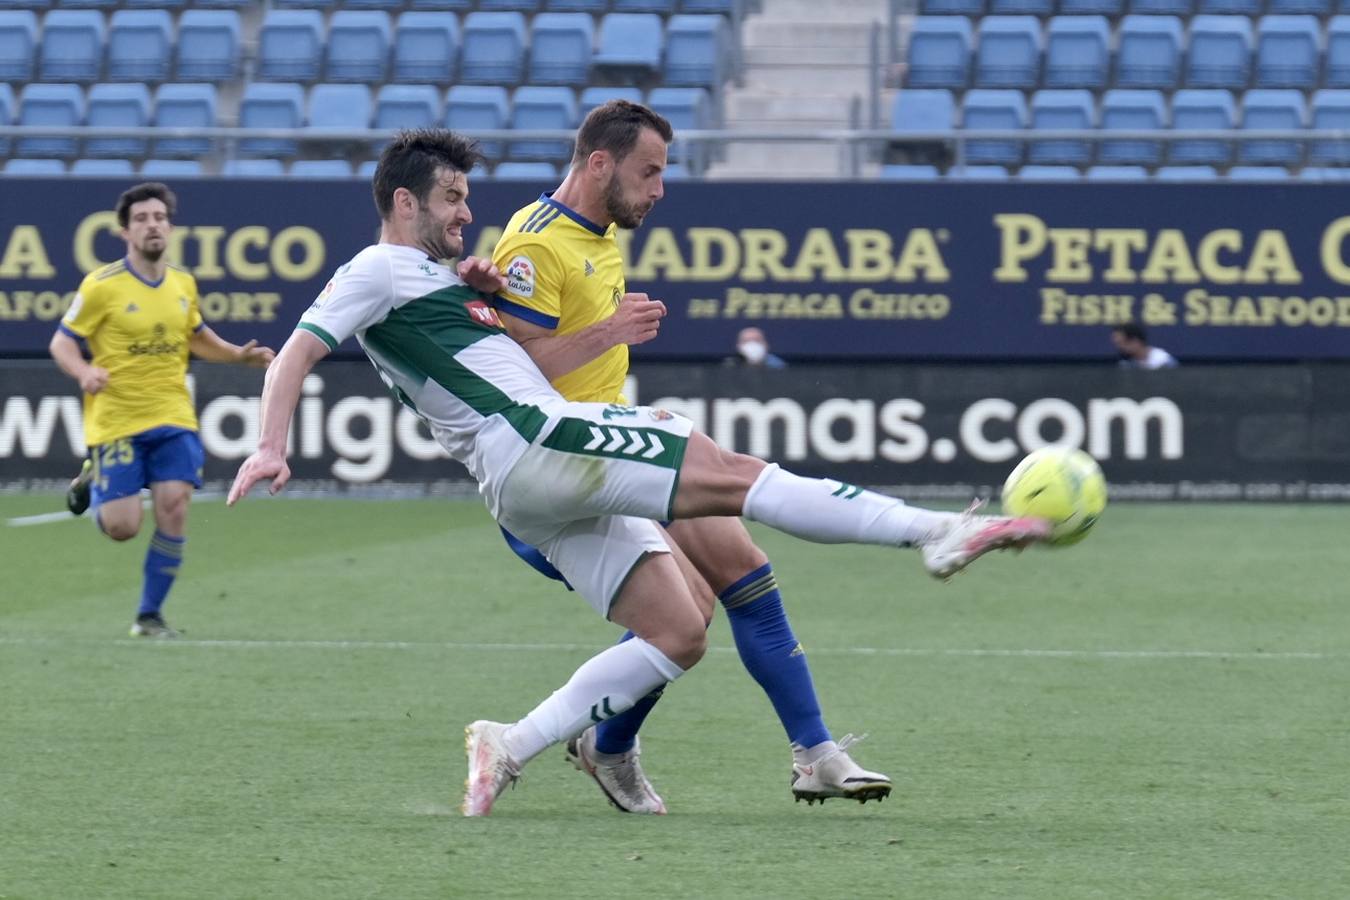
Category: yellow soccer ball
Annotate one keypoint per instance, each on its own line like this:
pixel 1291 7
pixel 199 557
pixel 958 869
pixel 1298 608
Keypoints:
pixel 1061 484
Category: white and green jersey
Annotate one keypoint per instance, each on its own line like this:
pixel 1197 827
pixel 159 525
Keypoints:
pixel 441 349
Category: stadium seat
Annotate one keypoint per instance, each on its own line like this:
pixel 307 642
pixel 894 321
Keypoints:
pixel 1117 173
pixel 35 167
pixel 72 45
pixel 1270 109
pixel 1021 7
pixel 18 45
pixel 385 5
pixel 939 52
pixel 696 47
pixel 1186 173
pixel 321 168
pixel 1287 52
pixel 290 45
pixel 1194 110
pixel 366 171
pixel 1149 52
pixel 407 106
pixel 494 48
pixel 167 5
pixel 339 106
pixel 475 108
pixel 426 48
pixel 927 110
pixel 1300 7
pixel 102 168
pixel 270 106
pixel 628 47
pixel 1258 173
pixel 561 45
pixel 1009 52
pixel 1049 173
pixel 50 104
pixel 542 107
pixel 118 106
pixel 63 4
pixel 522 6
pixel 140 42
pixel 324 5
pixel 1077 52
pixel 525 171
pixel 977 173
pixel 897 172
pixel 208 45
pixel 1338 53
pixel 1057 110
pixel 222 4
pixel 687 109
pixel 1160 7
pixel 989 110
pixel 971 8
pixel 441 5
pixel 358 46
pixel 595 95
pixel 587 6
pixel 1231 7
pixel 1110 8
pixel 1132 110
pixel 171 168
pixel 1324 173
pixel 7 110
pixel 1330 111
pixel 661 7
pixel 253 168
pixel 184 106
pixel 1220 52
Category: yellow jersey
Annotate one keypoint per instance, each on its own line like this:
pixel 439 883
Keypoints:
pixel 564 272
pixel 139 332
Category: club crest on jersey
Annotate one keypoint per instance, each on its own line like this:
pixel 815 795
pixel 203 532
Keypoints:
pixel 660 415
pixel 481 312
pixel 520 276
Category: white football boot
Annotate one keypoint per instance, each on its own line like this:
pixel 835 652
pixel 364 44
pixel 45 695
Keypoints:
pixel 971 536
pixel 491 768
pixel 836 775
pixel 620 776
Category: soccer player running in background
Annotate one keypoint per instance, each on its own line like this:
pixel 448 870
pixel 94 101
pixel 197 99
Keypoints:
pixel 565 301
pixel 140 319
pixel 589 505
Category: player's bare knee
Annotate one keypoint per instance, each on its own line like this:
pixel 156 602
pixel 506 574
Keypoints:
pixel 687 646
pixel 121 530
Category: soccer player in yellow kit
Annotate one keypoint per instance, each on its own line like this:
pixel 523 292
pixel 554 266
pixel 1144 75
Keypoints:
pixel 565 300
pixel 140 319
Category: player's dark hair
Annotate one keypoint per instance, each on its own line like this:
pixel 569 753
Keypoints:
pixel 615 126
pixel 1133 331
pixel 412 158
pixel 149 190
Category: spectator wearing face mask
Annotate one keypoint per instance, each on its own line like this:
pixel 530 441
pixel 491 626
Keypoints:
pixel 752 349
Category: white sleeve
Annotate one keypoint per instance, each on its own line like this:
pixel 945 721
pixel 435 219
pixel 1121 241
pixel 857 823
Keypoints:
pixel 359 294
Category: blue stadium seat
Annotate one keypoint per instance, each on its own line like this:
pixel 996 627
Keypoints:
pixel 159 169
pixel 1330 111
pixel 522 6
pixel 1338 53
pixel 1301 7
pixel 72 45
pixel 1258 173
pixel 35 167
pixel 321 168
pixel 1117 173
pixel 407 106
pixel 1149 52
pixel 167 5
pixel 525 171
pixel 1268 109
pixel 1287 53
pixel 1059 110
pixel 1049 173
pixel 696 49
pixel 324 5
pixel 1324 173
pixel 1021 7
pixel 1160 7
pixel 102 168
pixel 7 111
pixel 561 45
pixel 720 7
pixel 977 173
pixel 1009 52
pixel 1110 8
pixel 663 7
pixel 358 46
pixel 253 168
pixel 50 104
pixel 687 109
pixel 426 48
pixel 184 106
pixel 1194 110
pixel 540 107
pixel 18 45
pixel 385 5
pixel 1231 7
pixel 117 106
pixel 344 106
pixel 952 7
pixel 1186 173
pixel 925 110
pixel 1077 52
pixel 1220 52
pixel 629 46
pixel 898 172
pixel 587 6
pixel 595 95
pixel 939 52
pixel 140 42
pixel 208 45
pixel 993 109
pixel 366 170
pixel 1132 110
pixel 478 107
pixel 290 45
pixel 441 5
pixel 494 48
pixel 222 4
pixel 63 4
pixel 270 106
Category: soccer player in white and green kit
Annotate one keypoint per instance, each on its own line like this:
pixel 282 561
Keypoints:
pixel 583 487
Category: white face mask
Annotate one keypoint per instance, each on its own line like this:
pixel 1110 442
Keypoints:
pixel 754 351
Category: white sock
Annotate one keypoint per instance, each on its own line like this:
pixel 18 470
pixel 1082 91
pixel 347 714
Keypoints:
pixel 832 512
pixel 604 686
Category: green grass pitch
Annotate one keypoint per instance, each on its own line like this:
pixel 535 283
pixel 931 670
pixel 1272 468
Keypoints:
pixel 1159 712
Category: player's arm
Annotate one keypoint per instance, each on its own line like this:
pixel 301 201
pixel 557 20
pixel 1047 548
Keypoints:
pixel 206 344
pixel 70 359
pixel 635 321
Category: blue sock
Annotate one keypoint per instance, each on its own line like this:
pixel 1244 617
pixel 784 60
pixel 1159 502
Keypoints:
pixel 618 733
pixel 773 657
pixel 162 559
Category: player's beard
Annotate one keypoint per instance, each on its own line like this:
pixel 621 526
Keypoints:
pixel 624 214
pixel 434 240
pixel 153 253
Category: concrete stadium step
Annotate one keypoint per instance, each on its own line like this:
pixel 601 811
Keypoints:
pixel 745 106
pixel 795 78
pixel 814 11
pixel 761 32
pixel 805 57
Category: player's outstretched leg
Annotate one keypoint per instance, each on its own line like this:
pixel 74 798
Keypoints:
pixel 80 490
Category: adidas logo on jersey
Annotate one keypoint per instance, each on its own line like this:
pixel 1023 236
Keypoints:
pixel 590 269
pixel 132 307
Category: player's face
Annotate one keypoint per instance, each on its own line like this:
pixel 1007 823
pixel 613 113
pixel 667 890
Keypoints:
pixel 148 228
pixel 441 219
pixel 635 185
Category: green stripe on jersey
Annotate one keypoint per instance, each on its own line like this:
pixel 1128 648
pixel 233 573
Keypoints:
pixel 318 333
pixel 645 445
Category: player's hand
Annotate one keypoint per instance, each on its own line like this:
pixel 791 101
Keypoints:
pixel 259 357
pixel 93 380
pixel 481 275
pixel 260 465
pixel 637 319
